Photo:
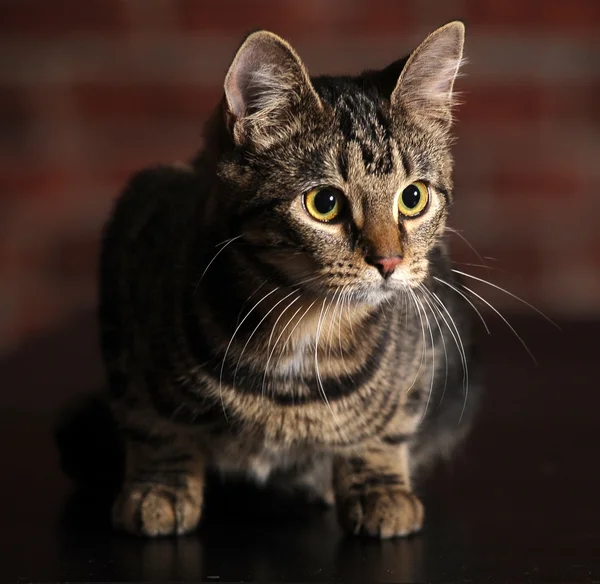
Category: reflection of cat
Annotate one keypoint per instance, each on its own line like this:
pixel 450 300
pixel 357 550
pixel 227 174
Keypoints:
pixel 282 308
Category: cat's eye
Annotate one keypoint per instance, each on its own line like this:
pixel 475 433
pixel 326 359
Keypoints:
pixel 413 199
pixel 324 203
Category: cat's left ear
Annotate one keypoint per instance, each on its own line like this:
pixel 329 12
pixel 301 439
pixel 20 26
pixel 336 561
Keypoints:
pixel 425 86
pixel 265 87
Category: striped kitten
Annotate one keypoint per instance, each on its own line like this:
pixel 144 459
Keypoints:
pixel 282 308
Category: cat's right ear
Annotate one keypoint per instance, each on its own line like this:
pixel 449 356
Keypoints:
pixel 265 87
pixel 426 83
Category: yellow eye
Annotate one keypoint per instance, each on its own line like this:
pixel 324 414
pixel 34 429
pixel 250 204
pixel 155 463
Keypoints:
pixel 324 204
pixel 413 199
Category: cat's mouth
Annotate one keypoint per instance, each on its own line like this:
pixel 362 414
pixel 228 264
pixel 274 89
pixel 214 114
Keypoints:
pixel 370 292
pixel 381 290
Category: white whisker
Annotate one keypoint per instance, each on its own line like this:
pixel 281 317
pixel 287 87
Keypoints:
pixel 459 345
pixel 336 297
pixel 432 357
pixel 467 299
pixel 231 341
pixel 488 268
pixel 510 294
pixel 414 299
pixel 287 340
pixel 340 335
pixel 459 234
pixel 503 318
pixel 256 328
pixel 245 303
pixel 276 341
pixel 433 308
pixel 318 373
pixel 228 242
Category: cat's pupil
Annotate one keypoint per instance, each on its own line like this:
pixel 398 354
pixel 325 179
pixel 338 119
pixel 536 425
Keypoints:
pixel 411 197
pixel 325 201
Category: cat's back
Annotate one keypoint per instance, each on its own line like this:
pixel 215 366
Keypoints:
pixel 145 242
pixel 155 204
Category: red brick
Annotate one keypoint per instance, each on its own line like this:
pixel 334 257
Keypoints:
pixel 385 17
pixel 502 104
pixel 535 184
pixel 74 258
pixel 121 144
pixel 562 16
pixel 32 181
pixel 498 104
pixel 135 102
pixel 297 19
pixel 39 18
pixel 14 113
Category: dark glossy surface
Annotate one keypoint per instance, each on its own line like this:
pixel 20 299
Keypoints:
pixel 521 503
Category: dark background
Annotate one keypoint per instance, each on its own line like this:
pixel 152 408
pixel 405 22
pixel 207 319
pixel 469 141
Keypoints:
pixel 92 90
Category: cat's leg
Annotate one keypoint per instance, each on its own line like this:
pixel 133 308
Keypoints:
pixel 311 479
pixel 374 494
pixel 163 488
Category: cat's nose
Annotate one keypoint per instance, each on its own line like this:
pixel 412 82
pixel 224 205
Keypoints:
pixel 386 266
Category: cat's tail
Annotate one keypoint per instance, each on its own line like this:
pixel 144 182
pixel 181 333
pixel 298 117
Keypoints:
pixel 91 451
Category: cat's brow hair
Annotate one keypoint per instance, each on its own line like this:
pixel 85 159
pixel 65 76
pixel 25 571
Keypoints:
pixel 361 120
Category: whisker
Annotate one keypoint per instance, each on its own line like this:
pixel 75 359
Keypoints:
pixel 488 268
pixel 467 299
pixel 226 241
pixel 336 299
pixel 318 373
pixel 280 317
pixel 414 299
pixel 340 335
pixel 287 340
pixel 348 308
pixel 439 327
pixel 503 318
pixel 510 294
pixel 432 357
pixel 245 303
pixel 256 328
pixel 459 234
pixel 229 242
pixel 276 341
pixel 459 345
pixel 231 341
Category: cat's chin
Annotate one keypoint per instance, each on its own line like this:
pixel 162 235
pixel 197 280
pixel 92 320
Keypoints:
pixel 376 294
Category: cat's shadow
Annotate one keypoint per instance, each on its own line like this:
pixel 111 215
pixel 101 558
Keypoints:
pixel 236 502
pixel 246 533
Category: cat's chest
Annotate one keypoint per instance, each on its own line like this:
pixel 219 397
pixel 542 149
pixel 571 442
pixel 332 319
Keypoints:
pixel 252 457
pixel 318 413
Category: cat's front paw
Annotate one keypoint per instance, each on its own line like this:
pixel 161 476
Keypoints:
pixel 383 514
pixel 153 509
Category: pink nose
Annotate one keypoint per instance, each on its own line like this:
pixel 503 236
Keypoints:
pixel 386 266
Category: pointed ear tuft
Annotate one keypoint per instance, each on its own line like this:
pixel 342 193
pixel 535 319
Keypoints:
pixel 425 86
pixel 265 85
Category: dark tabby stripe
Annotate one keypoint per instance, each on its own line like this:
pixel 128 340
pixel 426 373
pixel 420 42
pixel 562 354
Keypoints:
pixel 395 439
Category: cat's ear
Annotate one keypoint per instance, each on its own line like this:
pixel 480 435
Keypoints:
pixel 264 88
pixel 425 86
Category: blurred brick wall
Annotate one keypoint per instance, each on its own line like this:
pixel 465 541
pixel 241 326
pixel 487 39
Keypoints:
pixel 91 90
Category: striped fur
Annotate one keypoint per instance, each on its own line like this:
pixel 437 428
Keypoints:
pixel 239 334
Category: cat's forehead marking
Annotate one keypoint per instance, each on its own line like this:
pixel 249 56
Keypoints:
pixel 363 122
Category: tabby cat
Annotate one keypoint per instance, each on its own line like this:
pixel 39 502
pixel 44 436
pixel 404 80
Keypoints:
pixel 282 308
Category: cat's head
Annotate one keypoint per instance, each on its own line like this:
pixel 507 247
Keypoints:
pixel 341 182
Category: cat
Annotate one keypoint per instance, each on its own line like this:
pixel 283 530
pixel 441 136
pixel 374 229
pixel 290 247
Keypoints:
pixel 282 307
